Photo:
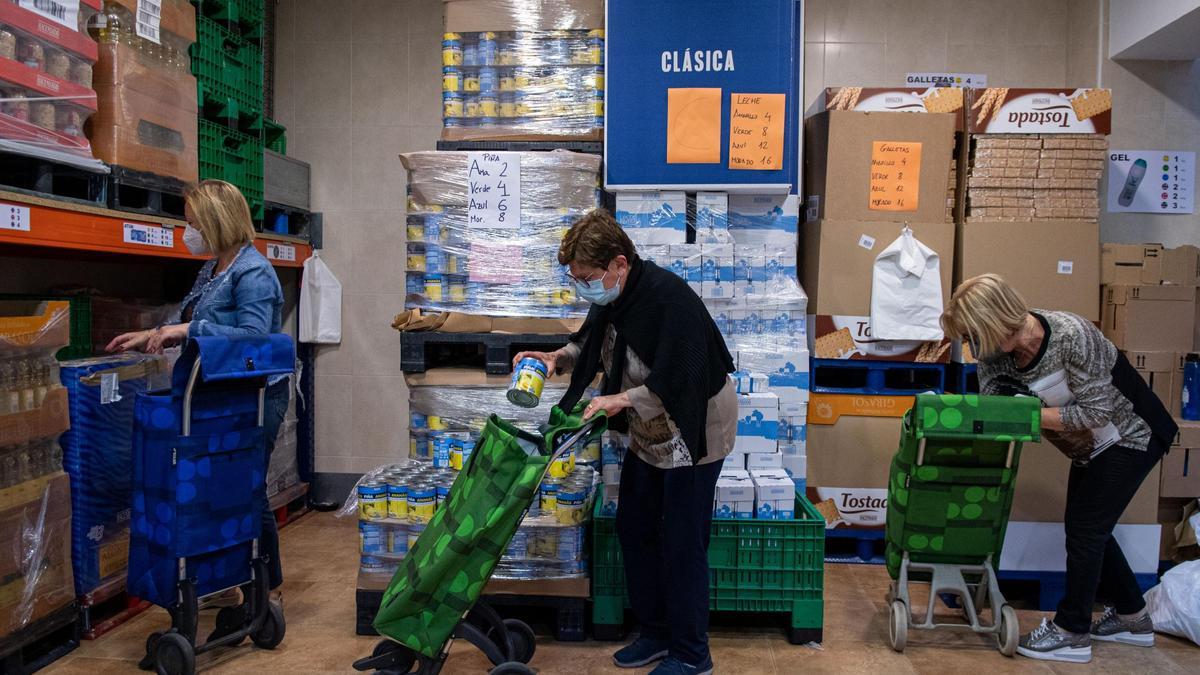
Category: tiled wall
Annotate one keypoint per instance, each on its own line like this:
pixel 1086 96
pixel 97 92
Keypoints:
pixel 356 84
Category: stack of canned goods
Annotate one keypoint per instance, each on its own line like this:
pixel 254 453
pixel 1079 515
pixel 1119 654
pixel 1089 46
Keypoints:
pixel 524 79
pixel 394 508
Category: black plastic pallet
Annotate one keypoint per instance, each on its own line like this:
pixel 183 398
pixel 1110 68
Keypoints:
pixel 883 378
pixel 588 147
pixel 40 643
pixel 423 350
pixel 796 636
pixel 301 223
pixel 848 545
pixel 32 175
pixel 145 193
pixel 568 622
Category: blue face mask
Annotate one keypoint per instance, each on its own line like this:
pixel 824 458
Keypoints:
pixel 595 292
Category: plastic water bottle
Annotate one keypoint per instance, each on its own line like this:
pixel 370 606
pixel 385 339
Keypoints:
pixel 1191 387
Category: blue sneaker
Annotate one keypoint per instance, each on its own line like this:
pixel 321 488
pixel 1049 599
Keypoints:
pixel 674 666
pixel 642 652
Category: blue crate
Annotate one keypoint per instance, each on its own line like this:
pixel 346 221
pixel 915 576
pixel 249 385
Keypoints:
pixel 882 378
pixel 964 378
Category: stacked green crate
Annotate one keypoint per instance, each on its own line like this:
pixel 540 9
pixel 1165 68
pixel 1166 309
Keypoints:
pixel 276 136
pixel 760 566
pixel 227 61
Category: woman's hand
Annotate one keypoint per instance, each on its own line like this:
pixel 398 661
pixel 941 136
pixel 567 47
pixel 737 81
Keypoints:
pixel 167 336
pixel 609 404
pixel 548 358
pixel 130 342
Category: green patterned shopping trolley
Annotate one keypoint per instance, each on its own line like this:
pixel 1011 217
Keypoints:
pixel 434 596
pixel 949 496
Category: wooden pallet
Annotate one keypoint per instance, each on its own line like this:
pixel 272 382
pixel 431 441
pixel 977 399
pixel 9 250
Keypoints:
pixel 106 607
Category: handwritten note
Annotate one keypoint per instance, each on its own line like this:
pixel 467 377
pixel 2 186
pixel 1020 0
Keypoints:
pixel 694 126
pixel 895 176
pixel 756 124
pixel 494 190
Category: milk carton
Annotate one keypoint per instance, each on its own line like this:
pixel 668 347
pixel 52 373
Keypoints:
pixel 764 219
pixel 611 498
pixel 774 494
pixel 735 461
pixel 762 461
pixel 653 218
pixel 712 218
pixel 659 255
pixel 796 466
pixel 758 423
pixel 716 272
pixel 734 496
pixel 778 262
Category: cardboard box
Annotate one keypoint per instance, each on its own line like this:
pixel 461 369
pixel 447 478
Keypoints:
pixel 838 164
pixel 653 218
pixel 474 16
pixel 839 260
pixel 758 423
pixel 734 496
pixel 1178 541
pixel 1149 318
pixel 764 461
pixel 848 465
pixel 1181 266
pixel 1039 111
pixel 734 461
pixel 1159 370
pixel 717 272
pixel 774 494
pixel 1041 490
pixel 883 99
pixel 764 219
pixel 784 373
pixel 1055 264
pixel 849 337
pixel 1131 264
pixel 1181 466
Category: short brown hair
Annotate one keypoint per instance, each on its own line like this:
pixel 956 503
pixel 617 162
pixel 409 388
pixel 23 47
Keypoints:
pixel 595 240
pixel 984 310
pixel 221 214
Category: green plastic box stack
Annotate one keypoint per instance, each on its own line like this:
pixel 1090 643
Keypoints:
pixel 227 60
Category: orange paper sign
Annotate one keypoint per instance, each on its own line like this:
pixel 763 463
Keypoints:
pixel 756 123
pixel 693 126
pixel 895 176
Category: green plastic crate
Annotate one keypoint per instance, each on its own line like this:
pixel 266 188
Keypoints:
pixel 245 17
pixel 229 74
pixel 81 322
pixel 234 157
pixel 275 136
pixel 761 566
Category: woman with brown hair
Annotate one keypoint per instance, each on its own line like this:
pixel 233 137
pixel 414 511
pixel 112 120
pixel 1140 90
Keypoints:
pixel 666 382
pixel 1105 418
pixel 236 293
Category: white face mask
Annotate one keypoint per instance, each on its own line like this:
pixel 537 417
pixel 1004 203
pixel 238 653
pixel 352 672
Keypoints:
pixel 195 241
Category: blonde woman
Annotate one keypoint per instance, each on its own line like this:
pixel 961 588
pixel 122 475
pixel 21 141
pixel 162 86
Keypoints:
pixel 236 293
pixel 1101 414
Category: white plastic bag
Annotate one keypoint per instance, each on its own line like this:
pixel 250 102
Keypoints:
pixel 1174 604
pixel 906 292
pixel 320 303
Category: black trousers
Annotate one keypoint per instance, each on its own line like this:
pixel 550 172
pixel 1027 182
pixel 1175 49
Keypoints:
pixel 1097 494
pixel 275 408
pixel 663 524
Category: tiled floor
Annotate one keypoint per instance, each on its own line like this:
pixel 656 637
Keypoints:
pixel 320 562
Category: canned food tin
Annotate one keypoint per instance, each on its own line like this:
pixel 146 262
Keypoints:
pixel 452 53
pixel 522 78
pixel 489 49
pixel 414 227
pixel 398 539
pixel 415 261
pixel 489 81
pixel 591 452
pixel 452 79
pixel 417 420
pixel 570 544
pixel 433 259
pixel 470 54
pixel 452 104
pixel 470 82
pixel 397 501
pixel 414 533
pixel 372 501
pixel 508 106
pixel 596 78
pixel 508 82
pixel 433 228
pixel 443 493
pixel 471 107
pixel 435 422
pixel 562 465
pixel 548 497
pixel 595 51
pixel 372 538
pixel 489 121
pixel 528 381
pixel 422 502
pixel 433 287
pixel 457 290
pixel 414 283
pixel 441 452
pixel 570 508
pixel 488 106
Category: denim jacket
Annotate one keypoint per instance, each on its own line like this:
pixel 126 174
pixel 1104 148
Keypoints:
pixel 245 299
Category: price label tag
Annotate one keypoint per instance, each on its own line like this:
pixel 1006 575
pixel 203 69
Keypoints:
pixel 149 235
pixel 281 252
pixel 13 217
pixel 149 20
pixel 59 11
pixel 494 190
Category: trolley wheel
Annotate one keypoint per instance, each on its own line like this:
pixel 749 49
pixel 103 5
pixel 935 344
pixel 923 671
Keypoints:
pixel 229 620
pixel 1010 631
pixel 511 668
pixel 401 658
pixel 524 642
pixel 147 662
pixel 898 625
pixel 273 628
pixel 174 655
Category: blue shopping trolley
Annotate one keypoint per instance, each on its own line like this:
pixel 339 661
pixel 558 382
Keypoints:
pixel 199 461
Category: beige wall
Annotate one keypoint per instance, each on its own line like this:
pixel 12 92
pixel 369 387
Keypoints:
pixel 357 82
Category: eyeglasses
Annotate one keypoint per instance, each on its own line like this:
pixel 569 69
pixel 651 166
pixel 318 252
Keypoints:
pixel 587 280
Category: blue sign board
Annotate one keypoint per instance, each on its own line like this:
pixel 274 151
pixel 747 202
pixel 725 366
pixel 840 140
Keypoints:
pixel 742 47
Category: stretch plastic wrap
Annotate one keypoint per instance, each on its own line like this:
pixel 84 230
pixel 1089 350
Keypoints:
pixel 35 550
pixel 46 95
pixel 523 83
pixel 283 470
pixel 98 456
pixel 453 266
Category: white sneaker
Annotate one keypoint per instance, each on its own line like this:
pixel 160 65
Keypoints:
pixel 1048 642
